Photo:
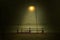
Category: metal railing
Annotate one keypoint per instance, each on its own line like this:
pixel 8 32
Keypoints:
pixel 31 30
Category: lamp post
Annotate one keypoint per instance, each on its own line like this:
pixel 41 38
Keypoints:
pixel 33 9
pixel 36 20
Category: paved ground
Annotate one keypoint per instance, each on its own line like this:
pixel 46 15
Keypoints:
pixel 14 36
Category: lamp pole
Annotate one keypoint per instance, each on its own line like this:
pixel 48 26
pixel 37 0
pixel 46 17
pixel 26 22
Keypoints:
pixel 36 20
pixel 33 9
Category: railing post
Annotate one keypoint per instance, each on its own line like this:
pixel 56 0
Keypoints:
pixel 17 31
pixel 21 30
pixel 42 30
pixel 29 30
pixel 37 30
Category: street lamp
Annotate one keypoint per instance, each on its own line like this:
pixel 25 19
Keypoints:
pixel 31 8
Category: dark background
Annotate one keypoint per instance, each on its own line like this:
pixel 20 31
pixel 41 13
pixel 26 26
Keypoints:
pixel 10 8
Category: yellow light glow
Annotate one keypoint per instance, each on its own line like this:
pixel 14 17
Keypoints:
pixel 31 8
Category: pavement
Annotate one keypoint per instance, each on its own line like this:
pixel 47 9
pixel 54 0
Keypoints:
pixel 32 36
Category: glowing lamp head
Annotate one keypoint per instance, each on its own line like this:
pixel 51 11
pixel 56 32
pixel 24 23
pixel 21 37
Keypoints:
pixel 31 8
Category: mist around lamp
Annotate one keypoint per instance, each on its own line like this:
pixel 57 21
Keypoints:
pixel 31 8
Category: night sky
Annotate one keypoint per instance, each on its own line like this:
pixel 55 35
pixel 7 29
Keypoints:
pixel 10 12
